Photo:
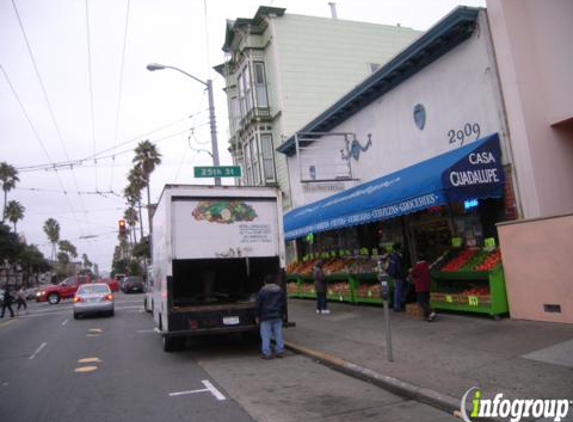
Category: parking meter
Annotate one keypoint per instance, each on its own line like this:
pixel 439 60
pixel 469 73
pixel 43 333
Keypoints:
pixel 383 279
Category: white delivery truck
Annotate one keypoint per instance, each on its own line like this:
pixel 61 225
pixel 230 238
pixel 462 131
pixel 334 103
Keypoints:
pixel 211 249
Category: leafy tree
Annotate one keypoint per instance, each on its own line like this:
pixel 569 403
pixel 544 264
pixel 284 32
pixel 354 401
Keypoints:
pixel 14 211
pixel 9 178
pixel 10 245
pixel 147 157
pixel 52 230
pixel 141 249
pixel 33 263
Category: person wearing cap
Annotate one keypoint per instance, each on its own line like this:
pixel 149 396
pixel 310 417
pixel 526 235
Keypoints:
pixel 320 287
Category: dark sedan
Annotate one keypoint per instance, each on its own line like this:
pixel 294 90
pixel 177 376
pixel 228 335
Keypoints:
pixel 132 285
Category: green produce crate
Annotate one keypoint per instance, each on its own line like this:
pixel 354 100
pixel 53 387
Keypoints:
pixel 494 304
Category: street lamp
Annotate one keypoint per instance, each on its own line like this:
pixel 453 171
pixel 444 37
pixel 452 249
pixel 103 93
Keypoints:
pixel 212 122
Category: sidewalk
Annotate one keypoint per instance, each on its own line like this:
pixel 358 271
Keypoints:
pixel 438 362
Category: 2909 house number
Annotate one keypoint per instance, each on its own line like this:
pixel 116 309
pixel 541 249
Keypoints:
pixel 469 131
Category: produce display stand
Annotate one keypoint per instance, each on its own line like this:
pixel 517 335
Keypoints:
pixel 342 287
pixel 470 291
pixel 367 289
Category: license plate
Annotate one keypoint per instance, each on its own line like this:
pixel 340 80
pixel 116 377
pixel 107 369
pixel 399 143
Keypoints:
pixel 232 320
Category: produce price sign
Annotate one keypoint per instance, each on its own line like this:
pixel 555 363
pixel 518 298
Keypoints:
pixel 449 299
pixel 473 300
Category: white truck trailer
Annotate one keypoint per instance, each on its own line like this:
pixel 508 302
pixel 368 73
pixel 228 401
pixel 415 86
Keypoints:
pixel 211 249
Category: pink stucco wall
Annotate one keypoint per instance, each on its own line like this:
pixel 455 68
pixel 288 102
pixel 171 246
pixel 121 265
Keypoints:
pixel 538 264
pixel 532 42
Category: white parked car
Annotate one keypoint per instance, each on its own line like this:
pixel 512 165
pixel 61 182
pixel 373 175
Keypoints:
pixel 93 298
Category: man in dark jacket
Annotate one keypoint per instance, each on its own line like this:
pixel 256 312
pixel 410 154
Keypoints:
pixel 396 271
pixel 270 307
pixel 7 302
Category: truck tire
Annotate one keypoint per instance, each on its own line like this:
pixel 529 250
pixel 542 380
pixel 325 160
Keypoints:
pixel 172 344
pixel 53 298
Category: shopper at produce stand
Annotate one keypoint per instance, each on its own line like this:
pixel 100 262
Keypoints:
pixel 397 271
pixel 321 288
pixel 420 276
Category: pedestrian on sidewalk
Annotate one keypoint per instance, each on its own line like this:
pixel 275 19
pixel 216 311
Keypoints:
pixel 270 308
pixel 21 300
pixel 397 272
pixel 321 288
pixel 7 302
pixel 420 276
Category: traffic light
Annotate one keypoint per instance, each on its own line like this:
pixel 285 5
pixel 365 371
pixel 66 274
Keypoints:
pixel 122 227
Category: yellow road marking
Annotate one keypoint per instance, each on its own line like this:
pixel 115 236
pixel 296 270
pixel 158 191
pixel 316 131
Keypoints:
pixel 89 360
pixel 85 369
pixel 5 323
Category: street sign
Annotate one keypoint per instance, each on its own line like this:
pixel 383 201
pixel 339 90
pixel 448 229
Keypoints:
pixel 219 171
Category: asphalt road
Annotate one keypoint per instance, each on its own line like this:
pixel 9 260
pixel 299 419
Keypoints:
pixel 55 368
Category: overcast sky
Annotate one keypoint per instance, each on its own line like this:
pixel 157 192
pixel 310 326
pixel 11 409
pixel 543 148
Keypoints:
pixel 75 95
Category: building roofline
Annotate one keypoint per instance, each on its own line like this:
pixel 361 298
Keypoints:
pixel 443 37
pixel 238 23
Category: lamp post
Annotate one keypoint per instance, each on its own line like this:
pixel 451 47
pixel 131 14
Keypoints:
pixel 212 122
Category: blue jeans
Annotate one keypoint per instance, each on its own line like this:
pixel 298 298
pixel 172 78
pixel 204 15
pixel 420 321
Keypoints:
pixel 398 293
pixel 272 329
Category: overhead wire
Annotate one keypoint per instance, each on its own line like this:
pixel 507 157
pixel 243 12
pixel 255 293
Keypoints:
pixel 90 85
pixel 49 105
pixel 120 88
pixel 54 165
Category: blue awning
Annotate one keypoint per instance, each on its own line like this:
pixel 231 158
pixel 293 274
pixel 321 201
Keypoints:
pixel 471 171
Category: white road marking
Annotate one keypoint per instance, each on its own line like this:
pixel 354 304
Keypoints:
pixel 65 322
pixel 146 331
pixel 38 350
pixel 209 388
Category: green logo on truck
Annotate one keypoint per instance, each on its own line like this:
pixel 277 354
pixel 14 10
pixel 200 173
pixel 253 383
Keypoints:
pixel 224 212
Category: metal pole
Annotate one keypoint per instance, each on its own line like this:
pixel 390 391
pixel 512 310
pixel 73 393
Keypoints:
pixel 385 290
pixel 213 125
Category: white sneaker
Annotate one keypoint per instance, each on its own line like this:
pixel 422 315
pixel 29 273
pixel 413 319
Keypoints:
pixel 325 311
pixel 318 311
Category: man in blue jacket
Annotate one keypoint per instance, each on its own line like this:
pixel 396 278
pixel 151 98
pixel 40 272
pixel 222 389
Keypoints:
pixel 270 307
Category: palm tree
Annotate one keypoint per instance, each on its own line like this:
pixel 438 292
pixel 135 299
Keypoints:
pixel 52 230
pixel 9 178
pixel 130 215
pixel 86 262
pixel 132 192
pixel 67 248
pixel 147 157
pixel 14 212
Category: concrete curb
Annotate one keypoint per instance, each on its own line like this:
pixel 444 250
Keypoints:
pixel 443 402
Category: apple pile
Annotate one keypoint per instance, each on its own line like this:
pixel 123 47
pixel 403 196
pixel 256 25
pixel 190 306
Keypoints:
pixel 491 260
pixel 460 260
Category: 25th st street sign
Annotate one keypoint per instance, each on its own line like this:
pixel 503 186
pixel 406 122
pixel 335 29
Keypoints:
pixel 220 171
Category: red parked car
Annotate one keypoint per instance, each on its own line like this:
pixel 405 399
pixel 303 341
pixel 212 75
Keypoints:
pixel 64 290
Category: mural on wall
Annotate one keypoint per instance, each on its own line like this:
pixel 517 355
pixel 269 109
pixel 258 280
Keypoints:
pixel 356 148
pixel 420 116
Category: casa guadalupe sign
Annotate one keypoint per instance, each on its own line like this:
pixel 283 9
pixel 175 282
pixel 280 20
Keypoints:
pixel 482 167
